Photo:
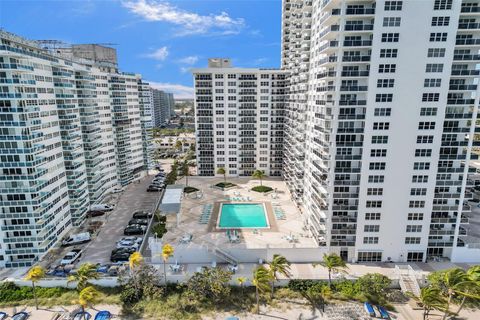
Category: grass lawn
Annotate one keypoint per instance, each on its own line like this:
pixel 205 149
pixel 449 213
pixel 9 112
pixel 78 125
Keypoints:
pixel 224 185
pixel 262 189
pixel 189 189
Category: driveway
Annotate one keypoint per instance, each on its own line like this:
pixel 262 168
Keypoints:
pixel 133 198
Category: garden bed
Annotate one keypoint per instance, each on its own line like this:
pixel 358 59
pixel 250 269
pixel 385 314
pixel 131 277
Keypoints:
pixel 190 189
pixel 262 189
pixel 225 185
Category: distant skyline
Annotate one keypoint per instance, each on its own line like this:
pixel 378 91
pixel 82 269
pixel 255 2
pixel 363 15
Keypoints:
pixel 161 40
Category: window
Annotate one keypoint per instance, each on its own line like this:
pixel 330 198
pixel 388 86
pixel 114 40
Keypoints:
pixel 414 256
pixel 418 191
pixel 372 216
pixel 383 112
pixel 381 125
pixel 414 228
pixel 438 36
pixel 388 53
pixel 385 83
pixel 390 37
pixel 440 21
pixel 378 153
pixel 442 5
pixel 436 53
pixel 432 83
pixel 374 204
pixel 423 152
pixel 415 216
pixel 384 97
pixel 393 5
pixel 412 240
pixel 376 179
pixel 421 166
pixel 416 204
pixel 424 139
pixel 430 97
pixel 426 125
pixel 371 228
pixel 434 67
pixel 374 191
pixel 377 166
pixel 387 68
pixel 370 240
pixel 428 111
pixel 370 256
pixel 379 139
pixel 391 21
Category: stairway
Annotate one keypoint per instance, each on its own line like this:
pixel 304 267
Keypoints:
pixel 407 280
pixel 225 256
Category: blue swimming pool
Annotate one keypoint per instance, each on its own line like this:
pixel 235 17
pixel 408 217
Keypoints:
pixel 242 215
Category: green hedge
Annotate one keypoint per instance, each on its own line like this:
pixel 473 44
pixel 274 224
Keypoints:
pixel 10 292
pixel 189 189
pixel 262 189
pixel 225 185
pixel 159 229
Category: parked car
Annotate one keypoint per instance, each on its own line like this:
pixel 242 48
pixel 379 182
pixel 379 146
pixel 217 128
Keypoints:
pixel 117 190
pixel 160 174
pixel 142 215
pixel 157 185
pixel 95 213
pixel 136 239
pixel 128 243
pixel 20 316
pixel 134 229
pixel 102 207
pixel 77 239
pixel 154 189
pixel 123 250
pixel 161 180
pixel 71 257
pixel 142 222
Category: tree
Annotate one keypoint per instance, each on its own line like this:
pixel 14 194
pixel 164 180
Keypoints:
pixel 185 168
pixel 241 282
pixel 222 171
pixel 280 265
pixel 319 292
pixel 373 285
pixel 472 290
pixel 453 283
pixel 334 263
pixel 261 282
pixel 145 285
pixel 259 174
pixel 34 275
pixel 178 145
pixel 167 252
pixel 210 283
pixel 86 272
pixel 135 260
pixel 86 297
pixel 431 299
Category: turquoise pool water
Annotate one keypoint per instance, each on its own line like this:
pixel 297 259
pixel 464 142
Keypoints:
pixel 242 215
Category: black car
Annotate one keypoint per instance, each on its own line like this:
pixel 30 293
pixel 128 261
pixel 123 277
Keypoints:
pixel 142 215
pixel 134 230
pixel 153 189
pixel 142 222
pixel 161 174
pixel 120 257
pixel 123 250
pixel 95 213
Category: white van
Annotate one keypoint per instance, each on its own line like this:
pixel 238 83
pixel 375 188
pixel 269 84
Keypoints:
pixel 102 207
pixel 77 239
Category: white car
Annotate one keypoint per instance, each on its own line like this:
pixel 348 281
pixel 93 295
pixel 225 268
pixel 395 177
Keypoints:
pixel 117 190
pixel 128 243
pixel 102 207
pixel 136 239
pixel 71 257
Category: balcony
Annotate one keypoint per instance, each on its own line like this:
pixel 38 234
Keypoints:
pixel 467 42
pixel 357 43
pixel 360 11
pixel 355 73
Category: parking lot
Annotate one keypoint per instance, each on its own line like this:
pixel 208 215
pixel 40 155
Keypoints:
pixel 133 198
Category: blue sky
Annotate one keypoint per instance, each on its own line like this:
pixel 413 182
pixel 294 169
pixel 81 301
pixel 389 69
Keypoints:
pixel 159 39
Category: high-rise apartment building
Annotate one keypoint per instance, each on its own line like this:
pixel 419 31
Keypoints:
pixel 70 130
pixel 239 119
pixel 162 107
pixel 389 109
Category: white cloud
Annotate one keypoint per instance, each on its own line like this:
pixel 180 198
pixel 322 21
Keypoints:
pixel 189 60
pixel 179 91
pixel 159 54
pixel 184 69
pixel 189 22
pixel 259 61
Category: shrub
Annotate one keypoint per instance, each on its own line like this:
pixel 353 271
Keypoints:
pixel 159 229
pixel 346 289
pixel 189 189
pixel 10 292
pixel 262 189
pixel 210 284
pixel 224 185
pixel 373 286
pixel 300 285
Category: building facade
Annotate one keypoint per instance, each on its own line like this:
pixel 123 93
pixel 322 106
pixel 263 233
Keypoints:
pixel 390 115
pixel 70 131
pixel 163 105
pixel 239 120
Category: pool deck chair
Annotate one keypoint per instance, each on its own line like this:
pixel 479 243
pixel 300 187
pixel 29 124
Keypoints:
pixel 3 315
pixel 103 315
pixel 369 309
pixel 383 313
pixel 82 316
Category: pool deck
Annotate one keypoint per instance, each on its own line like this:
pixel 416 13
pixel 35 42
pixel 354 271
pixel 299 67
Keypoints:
pixel 277 237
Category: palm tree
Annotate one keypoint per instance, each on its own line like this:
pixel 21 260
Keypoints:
pixel 259 174
pixel 87 297
pixel 34 275
pixel 280 265
pixel 261 280
pixel 472 287
pixel 332 262
pixel 241 282
pixel 134 261
pixel 222 171
pixel 86 272
pixel 431 299
pixel 167 252
pixel 178 145
pixel 185 168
